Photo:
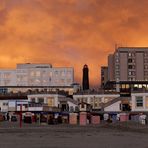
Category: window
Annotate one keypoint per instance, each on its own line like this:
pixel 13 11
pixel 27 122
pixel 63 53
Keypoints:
pixel 133 73
pixel 41 100
pixel 117 66
pixel 146 60
pixel 92 101
pixel 139 101
pixel 32 100
pixel 146 67
pixel 50 74
pixel 32 74
pixel 5 104
pixel 123 86
pixel 50 101
pixel 62 73
pixel 146 101
pixel 82 105
pixel 56 72
pixel 37 81
pixel 117 79
pixel 130 73
pixel 69 81
pixel 102 78
pixel 130 66
pixel 79 100
pixel 117 60
pixel 145 54
pixel 95 103
pixel 7 75
pixel 133 54
pixel 38 73
pixel 129 54
pixel 117 72
pixel 117 54
pixel 84 100
pixel 130 60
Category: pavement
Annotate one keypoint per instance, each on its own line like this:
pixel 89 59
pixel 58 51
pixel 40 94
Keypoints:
pixel 114 135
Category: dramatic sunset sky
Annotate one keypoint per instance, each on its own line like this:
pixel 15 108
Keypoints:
pixel 70 32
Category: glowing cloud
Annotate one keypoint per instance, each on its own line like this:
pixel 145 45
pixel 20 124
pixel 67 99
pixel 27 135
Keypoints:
pixel 70 32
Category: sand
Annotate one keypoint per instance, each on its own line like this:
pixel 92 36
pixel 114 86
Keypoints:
pixel 119 135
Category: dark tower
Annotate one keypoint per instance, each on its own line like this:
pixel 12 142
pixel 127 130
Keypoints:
pixel 85 77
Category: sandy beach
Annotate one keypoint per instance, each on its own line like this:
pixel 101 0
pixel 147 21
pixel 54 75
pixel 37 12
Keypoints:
pixel 119 135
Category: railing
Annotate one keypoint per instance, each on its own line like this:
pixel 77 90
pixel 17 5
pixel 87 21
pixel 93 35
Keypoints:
pixel 139 90
pixel 32 92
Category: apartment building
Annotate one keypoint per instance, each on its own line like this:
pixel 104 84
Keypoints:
pixel 30 74
pixel 128 64
pixel 104 75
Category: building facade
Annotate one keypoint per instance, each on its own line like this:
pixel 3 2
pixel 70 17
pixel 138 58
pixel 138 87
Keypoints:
pixel 95 100
pixel 104 75
pixel 128 64
pixel 139 101
pixel 37 75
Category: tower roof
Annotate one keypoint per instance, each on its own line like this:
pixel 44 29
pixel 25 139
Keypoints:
pixel 85 66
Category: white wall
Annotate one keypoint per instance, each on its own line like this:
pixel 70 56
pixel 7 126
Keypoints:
pixel 35 108
pixel 134 107
pixel 101 98
pixel 113 107
pixel 71 105
pixel 4 105
pixel 37 75
pixel 46 97
pixel 8 78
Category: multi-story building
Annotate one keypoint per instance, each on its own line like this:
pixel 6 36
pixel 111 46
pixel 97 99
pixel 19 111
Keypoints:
pixel 104 75
pixel 127 70
pixel 111 67
pixel 37 75
pixel 128 64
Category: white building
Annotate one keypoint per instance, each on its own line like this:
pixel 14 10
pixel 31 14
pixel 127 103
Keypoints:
pixel 95 100
pixel 139 101
pixel 8 77
pixel 115 107
pixel 37 75
pixel 51 101
pixel 13 105
pixel 4 105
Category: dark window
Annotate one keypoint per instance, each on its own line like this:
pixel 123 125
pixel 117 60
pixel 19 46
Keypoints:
pixel 130 67
pixel 82 105
pixel 139 101
pixel 41 100
pixel 130 60
pixel 33 100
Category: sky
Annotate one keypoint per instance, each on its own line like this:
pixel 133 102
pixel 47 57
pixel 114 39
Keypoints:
pixel 70 32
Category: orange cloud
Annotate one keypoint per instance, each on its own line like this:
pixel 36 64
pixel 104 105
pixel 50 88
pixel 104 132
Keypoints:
pixel 70 32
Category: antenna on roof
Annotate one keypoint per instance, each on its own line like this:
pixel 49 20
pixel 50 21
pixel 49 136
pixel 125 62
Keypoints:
pixel 116 46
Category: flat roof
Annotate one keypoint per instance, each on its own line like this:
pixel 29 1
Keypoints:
pixel 132 49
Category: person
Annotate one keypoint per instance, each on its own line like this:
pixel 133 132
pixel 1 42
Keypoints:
pixel 142 118
pixel 106 117
pixel 7 116
pixel 109 120
pixel 118 117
